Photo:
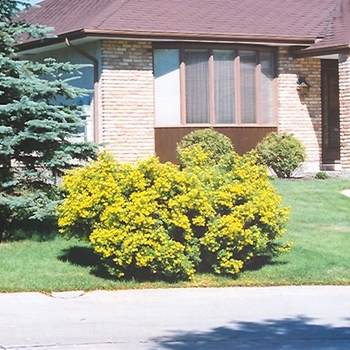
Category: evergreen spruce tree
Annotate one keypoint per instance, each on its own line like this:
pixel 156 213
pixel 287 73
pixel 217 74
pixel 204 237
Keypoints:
pixel 38 122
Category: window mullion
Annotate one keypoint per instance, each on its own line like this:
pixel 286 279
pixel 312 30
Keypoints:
pixel 182 88
pixel 238 89
pixel 211 89
pixel 275 89
pixel 258 92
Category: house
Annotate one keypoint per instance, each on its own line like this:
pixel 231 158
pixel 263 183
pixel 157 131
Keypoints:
pixel 162 68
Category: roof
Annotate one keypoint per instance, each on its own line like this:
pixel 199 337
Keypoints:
pixel 290 21
pixel 336 32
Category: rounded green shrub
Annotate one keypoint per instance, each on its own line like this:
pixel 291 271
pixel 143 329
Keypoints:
pixel 283 153
pixel 321 175
pixel 216 147
pixel 159 220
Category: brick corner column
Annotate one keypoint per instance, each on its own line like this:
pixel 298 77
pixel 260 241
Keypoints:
pixel 344 110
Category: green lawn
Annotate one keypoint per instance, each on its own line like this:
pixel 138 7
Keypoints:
pixel 319 228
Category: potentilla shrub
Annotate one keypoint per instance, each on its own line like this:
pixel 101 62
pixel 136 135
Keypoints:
pixel 140 219
pixel 153 219
pixel 249 219
pixel 89 191
pixel 283 153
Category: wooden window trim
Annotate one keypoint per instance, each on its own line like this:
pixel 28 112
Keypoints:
pixel 238 90
pixel 258 90
pixel 211 89
pixel 182 89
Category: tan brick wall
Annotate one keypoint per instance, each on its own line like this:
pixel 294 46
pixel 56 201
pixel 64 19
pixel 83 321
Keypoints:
pixel 301 115
pixel 344 110
pixel 127 109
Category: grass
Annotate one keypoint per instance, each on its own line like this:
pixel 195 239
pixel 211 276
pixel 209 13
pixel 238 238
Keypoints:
pixel 319 228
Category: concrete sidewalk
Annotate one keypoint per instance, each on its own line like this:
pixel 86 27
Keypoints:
pixel 228 318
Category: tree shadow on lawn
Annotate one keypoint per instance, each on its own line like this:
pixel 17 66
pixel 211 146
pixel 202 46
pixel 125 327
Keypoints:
pixel 288 333
pixel 30 229
pixel 85 257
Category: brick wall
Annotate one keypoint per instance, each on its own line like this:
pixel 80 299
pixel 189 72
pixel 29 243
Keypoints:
pixel 127 109
pixel 301 115
pixel 344 110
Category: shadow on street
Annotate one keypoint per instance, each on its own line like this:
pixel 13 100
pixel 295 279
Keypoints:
pixel 288 333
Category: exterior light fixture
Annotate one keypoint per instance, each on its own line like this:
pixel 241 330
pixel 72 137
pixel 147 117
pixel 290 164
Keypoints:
pixel 303 86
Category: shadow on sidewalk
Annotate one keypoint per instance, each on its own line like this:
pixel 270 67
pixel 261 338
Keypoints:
pixel 289 333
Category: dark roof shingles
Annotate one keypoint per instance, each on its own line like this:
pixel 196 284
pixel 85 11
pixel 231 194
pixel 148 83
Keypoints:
pixel 337 30
pixel 268 18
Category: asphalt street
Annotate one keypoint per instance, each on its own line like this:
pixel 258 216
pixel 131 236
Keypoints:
pixel 308 317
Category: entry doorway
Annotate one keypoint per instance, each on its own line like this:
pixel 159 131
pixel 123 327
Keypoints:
pixel 330 112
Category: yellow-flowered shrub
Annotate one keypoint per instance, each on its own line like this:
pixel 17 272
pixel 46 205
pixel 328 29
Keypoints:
pixel 89 191
pixel 140 217
pixel 154 219
pixel 249 220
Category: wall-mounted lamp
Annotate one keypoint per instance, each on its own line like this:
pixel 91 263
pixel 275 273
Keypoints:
pixel 303 86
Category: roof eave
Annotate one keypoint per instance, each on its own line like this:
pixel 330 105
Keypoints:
pixel 171 36
pixel 320 51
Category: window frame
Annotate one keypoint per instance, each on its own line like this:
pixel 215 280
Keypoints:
pixel 258 49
